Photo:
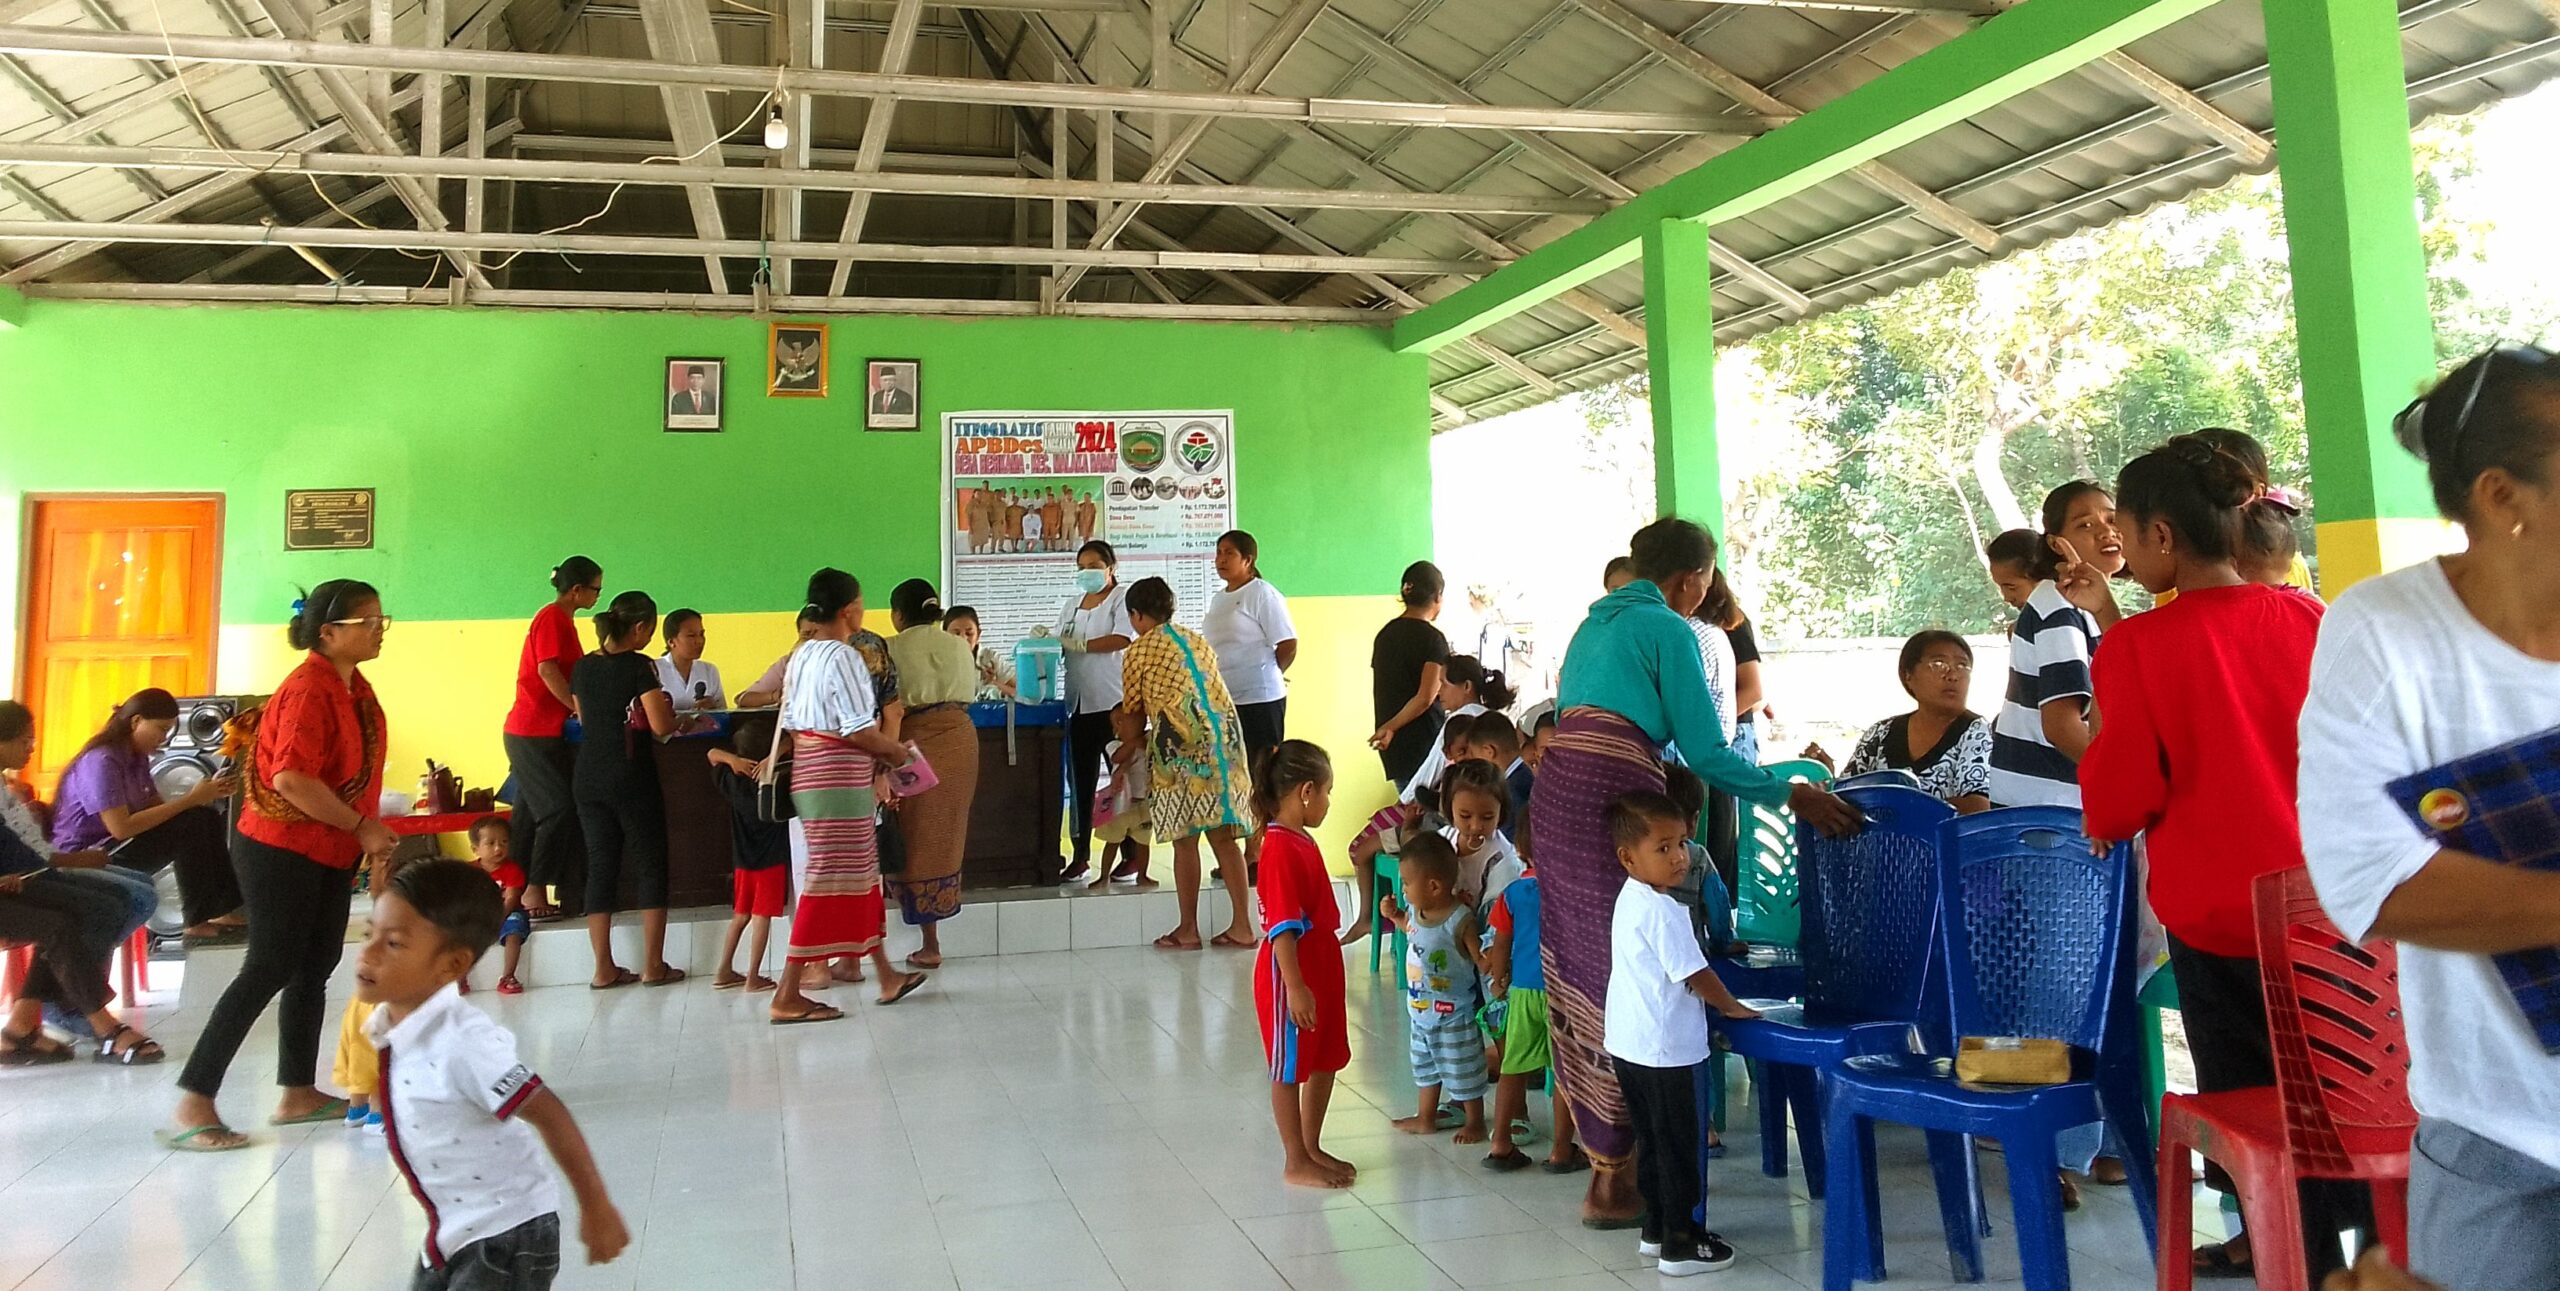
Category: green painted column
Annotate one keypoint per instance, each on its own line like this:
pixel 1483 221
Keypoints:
pixel 1680 360
pixel 13 307
pixel 2359 275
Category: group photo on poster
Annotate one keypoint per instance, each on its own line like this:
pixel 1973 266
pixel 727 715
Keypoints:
pixel 1027 491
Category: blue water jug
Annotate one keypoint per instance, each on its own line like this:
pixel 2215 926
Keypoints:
pixel 1039 668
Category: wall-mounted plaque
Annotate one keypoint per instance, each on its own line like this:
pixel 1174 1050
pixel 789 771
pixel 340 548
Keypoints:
pixel 328 519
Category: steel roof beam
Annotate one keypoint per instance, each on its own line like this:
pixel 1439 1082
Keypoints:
pixel 54 107
pixel 329 218
pixel 2007 55
pixel 679 31
pixel 455 242
pixel 698 303
pixel 343 56
pixel 876 119
pixel 1956 8
pixel 1249 78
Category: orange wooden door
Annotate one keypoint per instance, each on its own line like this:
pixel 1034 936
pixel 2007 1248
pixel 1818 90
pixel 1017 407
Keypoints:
pixel 120 596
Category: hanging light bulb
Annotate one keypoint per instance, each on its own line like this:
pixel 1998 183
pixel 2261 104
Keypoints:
pixel 777 132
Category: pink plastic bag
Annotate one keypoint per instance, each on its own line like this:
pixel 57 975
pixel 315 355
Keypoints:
pixel 916 777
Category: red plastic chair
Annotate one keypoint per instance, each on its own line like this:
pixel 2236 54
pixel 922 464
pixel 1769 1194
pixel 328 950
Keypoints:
pixel 2339 1108
pixel 137 965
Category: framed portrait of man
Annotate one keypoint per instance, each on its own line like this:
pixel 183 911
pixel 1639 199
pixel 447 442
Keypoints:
pixel 890 395
pixel 796 361
pixel 692 393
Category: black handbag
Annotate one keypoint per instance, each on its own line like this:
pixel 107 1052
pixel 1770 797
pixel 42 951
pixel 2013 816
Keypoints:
pixel 773 782
pixel 892 844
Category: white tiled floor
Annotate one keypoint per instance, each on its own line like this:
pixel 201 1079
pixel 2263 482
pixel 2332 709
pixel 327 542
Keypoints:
pixel 1090 1118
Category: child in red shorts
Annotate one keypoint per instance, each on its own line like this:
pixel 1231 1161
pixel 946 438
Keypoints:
pixel 489 837
pixel 760 852
pixel 1297 974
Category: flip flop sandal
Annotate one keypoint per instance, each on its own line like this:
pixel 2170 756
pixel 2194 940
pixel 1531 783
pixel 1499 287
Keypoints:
pixel 143 1052
pixel 729 985
pixel 1227 941
pixel 334 1109
pixel 818 1013
pixel 1167 942
pixel 668 978
pixel 1575 1164
pixel 621 977
pixel 914 981
pixel 1505 1164
pixel 2216 1262
pixel 192 1140
pixel 757 986
pixel 30 1051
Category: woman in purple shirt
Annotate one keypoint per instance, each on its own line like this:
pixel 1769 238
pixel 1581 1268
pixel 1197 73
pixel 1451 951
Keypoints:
pixel 107 800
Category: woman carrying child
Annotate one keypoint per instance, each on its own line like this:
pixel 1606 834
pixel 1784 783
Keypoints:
pixel 1197 783
pixel 1298 994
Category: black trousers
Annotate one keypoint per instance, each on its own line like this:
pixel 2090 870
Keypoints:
pixel 1662 1102
pixel 1264 725
pixel 197 841
pixel 523 1258
pixel 625 832
pixel 70 926
pixel 2225 1012
pixel 1088 734
pixel 543 818
pixel 297 934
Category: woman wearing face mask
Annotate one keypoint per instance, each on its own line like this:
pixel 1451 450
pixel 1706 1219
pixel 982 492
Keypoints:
pixel 1094 627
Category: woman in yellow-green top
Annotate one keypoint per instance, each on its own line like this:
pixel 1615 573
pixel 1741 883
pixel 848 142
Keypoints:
pixel 1198 782
pixel 937 677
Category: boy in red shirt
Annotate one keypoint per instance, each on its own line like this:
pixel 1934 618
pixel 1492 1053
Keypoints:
pixel 489 836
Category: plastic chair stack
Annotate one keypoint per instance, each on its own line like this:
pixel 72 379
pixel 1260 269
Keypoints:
pixel 1764 912
pixel 1869 906
pixel 2339 1108
pixel 2036 937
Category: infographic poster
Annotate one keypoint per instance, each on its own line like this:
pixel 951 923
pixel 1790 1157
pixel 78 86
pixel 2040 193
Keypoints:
pixel 1023 491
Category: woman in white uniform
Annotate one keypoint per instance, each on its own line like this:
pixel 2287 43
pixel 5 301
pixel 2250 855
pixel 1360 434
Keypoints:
pixel 690 679
pixel 1094 628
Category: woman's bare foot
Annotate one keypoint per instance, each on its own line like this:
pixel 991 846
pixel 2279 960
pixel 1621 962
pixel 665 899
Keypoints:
pixel 760 983
pixel 924 959
pixel 727 980
pixel 1611 1200
pixel 1313 1174
pixel 1334 1163
pixel 1145 884
pixel 845 970
pixel 1102 884
pixel 1471 1132
pixel 896 987
pixel 1416 1124
pixel 197 1112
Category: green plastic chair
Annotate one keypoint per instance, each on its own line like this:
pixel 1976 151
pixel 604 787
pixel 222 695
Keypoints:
pixel 1765 911
pixel 1388 882
pixel 2158 997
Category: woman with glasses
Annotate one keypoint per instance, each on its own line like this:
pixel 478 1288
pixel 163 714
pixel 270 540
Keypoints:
pixel 1942 742
pixel 2417 668
pixel 311 782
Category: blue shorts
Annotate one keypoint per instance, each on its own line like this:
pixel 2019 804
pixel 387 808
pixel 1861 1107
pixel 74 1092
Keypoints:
pixel 515 925
pixel 1448 1051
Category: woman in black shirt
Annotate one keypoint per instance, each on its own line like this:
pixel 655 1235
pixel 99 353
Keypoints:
pixel 1405 669
pixel 622 709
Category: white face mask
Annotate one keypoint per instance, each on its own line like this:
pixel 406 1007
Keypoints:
pixel 1093 580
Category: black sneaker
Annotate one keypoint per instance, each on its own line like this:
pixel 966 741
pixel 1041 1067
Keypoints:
pixel 1709 1255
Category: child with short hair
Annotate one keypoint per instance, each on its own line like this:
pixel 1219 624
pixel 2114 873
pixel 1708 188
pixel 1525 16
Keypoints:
pixel 1120 821
pixel 456 1119
pixel 759 858
pixel 1701 889
pixel 2012 558
pixel 1494 739
pixel 489 838
pixel 1440 987
pixel 1306 1031
pixel 1515 975
pixel 1654 1027
pixel 1477 805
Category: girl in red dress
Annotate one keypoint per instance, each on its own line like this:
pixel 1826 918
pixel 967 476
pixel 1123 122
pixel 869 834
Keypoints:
pixel 1297 991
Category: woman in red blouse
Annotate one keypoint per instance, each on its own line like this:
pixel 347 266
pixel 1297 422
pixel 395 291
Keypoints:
pixel 2198 748
pixel 312 783
pixel 546 816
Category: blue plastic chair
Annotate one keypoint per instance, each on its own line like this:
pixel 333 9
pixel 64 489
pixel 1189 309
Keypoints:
pixel 2036 937
pixel 1870 905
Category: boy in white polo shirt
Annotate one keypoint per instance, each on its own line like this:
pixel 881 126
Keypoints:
pixel 455 1102
pixel 1655 1029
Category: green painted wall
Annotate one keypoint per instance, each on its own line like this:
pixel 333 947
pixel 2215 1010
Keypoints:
pixel 501 441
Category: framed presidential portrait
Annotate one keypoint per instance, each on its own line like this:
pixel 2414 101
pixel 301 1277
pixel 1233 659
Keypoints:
pixel 691 388
pixel 890 396
pixel 796 361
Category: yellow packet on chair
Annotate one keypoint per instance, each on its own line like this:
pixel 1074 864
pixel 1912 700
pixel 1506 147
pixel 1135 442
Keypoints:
pixel 2012 1060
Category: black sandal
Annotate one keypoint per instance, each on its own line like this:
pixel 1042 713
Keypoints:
pixel 2215 1262
pixel 142 1053
pixel 33 1049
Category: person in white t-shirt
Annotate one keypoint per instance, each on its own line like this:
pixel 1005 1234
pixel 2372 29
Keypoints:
pixel 1248 627
pixel 1094 627
pixel 1654 1026
pixel 689 678
pixel 463 1116
pixel 2415 669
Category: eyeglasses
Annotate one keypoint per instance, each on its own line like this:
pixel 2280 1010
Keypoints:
pixel 2410 427
pixel 1943 667
pixel 368 621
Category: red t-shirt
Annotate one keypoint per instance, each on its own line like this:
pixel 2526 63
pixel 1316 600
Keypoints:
pixel 311 725
pixel 2199 702
pixel 509 876
pixel 552 639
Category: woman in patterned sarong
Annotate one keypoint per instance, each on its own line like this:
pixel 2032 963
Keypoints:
pixel 1633 685
pixel 831 712
pixel 1198 784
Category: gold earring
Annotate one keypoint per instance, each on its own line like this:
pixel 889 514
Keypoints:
pixel 2517 533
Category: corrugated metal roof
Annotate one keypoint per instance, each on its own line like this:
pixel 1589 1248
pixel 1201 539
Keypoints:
pixel 2076 152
